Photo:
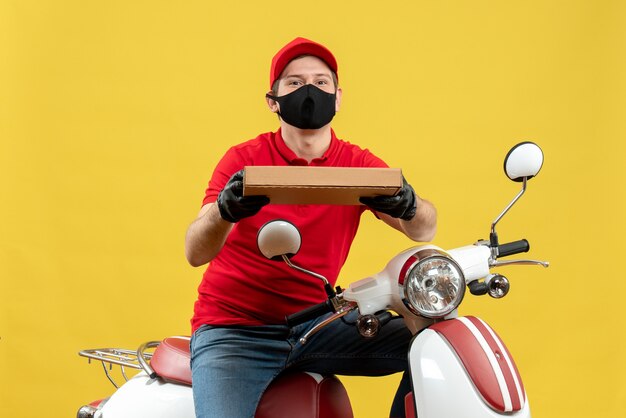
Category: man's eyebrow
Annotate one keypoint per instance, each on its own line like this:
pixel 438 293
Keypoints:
pixel 303 75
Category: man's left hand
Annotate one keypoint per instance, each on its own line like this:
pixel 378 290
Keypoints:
pixel 402 205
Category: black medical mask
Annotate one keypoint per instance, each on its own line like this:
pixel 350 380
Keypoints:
pixel 307 108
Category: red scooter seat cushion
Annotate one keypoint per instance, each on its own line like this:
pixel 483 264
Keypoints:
pixel 293 394
pixel 305 395
pixel 171 360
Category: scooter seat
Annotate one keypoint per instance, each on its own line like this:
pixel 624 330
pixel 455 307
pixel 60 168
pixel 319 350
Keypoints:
pixel 305 395
pixel 171 360
pixel 293 394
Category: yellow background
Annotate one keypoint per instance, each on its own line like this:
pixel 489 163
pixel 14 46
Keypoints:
pixel 114 113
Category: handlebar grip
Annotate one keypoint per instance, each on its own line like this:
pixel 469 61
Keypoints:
pixel 309 313
pixel 515 247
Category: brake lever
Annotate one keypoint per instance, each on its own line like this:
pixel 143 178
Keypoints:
pixel 342 311
pixel 497 263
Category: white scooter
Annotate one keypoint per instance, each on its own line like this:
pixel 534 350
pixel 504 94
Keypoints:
pixel 459 367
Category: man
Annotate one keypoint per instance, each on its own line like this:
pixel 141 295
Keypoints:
pixel 240 340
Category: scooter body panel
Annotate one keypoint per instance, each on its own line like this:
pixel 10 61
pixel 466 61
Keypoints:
pixel 444 388
pixel 145 397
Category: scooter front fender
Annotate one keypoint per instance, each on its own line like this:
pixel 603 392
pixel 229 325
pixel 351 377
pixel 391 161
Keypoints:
pixel 460 367
pixel 142 397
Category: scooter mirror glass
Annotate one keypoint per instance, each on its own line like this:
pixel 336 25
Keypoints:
pixel 523 160
pixel 278 238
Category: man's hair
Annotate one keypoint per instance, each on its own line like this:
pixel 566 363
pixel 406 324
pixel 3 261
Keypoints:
pixel 275 85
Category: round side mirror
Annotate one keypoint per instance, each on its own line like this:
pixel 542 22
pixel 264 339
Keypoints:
pixel 278 238
pixel 523 160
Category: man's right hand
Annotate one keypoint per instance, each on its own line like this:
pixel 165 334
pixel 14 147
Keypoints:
pixel 233 205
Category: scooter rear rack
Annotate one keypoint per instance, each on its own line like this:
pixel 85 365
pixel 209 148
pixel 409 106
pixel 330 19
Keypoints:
pixel 133 359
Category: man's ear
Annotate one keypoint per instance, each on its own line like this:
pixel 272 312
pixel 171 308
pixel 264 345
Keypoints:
pixel 338 99
pixel 271 103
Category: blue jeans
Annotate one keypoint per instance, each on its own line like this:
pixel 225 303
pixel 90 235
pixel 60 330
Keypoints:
pixel 232 366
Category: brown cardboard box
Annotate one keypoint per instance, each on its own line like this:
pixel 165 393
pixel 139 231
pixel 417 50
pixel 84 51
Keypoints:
pixel 320 185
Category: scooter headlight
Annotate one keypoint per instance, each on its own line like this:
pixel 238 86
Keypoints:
pixel 432 283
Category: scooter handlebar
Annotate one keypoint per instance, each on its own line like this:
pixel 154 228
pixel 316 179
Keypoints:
pixel 309 313
pixel 515 247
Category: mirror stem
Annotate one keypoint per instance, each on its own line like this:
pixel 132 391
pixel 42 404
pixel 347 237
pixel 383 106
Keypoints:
pixel 327 287
pixel 493 236
pixel 515 199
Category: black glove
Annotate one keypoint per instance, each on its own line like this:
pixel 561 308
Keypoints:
pixel 402 205
pixel 233 205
